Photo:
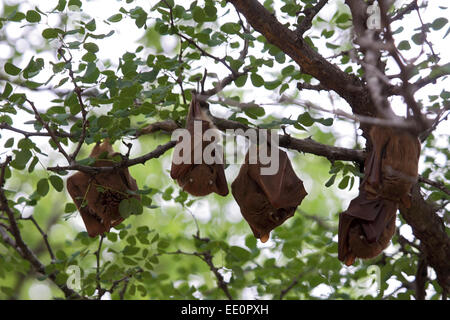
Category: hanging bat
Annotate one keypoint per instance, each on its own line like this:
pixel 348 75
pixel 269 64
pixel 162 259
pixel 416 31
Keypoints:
pixel 391 168
pixel 98 196
pixel 199 179
pixel 393 165
pixel 266 201
pixel 366 228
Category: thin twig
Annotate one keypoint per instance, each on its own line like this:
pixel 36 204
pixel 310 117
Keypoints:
pixel 160 150
pixel 437 185
pixel 49 130
pixel 78 91
pixel 44 236
pixel 310 13
pixel 28 134
pixel 207 258
pixel 100 290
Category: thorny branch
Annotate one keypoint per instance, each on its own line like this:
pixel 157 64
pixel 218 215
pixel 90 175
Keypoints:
pixel 160 150
pixel 16 241
pixel 310 13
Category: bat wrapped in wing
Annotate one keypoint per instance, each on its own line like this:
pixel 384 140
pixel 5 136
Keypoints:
pixel 391 168
pixel 194 175
pixel 267 201
pixel 98 196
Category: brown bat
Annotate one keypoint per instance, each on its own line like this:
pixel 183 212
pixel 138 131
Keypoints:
pixel 266 201
pixel 368 225
pixel 199 179
pixel 366 228
pixel 98 196
pixel 392 166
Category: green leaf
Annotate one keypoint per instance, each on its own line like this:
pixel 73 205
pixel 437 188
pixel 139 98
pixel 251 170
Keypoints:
pixel 61 5
pixel 57 183
pixel 330 181
pixel 25 143
pixel 16 16
pixel 239 253
pixel 112 236
pixel 75 3
pixel 135 206
pixel 305 119
pixel 210 10
pixel 115 18
pixel 33 68
pixel 404 45
pixel 343 18
pixel 139 15
pixel 12 69
pixel 92 73
pixel 7 91
pixel 70 207
pixel 21 159
pixel 439 23
pixel 91 25
pixel 344 182
pixel 167 195
pixel 42 187
pixel 240 82
pixel 271 85
pixel 326 122
pixel 124 208
pixel 198 14
pixel 91 47
pixel 33 16
pixel 9 143
pixel 257 80
pixel 418 38
pixel 32 84
pixel 130 250
pixel 230 28
pixel 287 70
pixel 89 57
pixel 50 33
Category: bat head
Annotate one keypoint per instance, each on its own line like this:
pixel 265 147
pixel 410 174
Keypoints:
pixel 102 149
pixel 262 224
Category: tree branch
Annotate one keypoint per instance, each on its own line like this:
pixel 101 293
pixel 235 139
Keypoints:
pixel 19 245
pixel 311 62
pixel 310 13
pixel 437 185
pixel 78 91
pixel 50 131
pixel 429 228
pixel 160 150
pixel 207 258
pixel 28 134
